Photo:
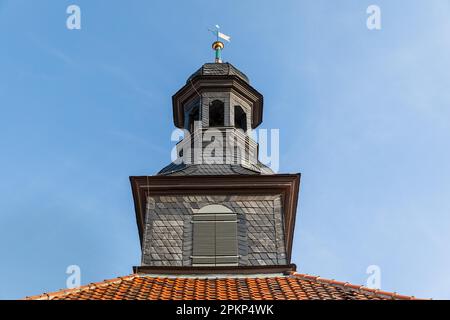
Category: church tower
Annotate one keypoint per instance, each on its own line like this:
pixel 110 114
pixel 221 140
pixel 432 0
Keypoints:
pixel 216 208
pixel 216 223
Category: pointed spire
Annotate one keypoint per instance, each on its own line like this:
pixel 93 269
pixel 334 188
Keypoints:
pixel 218 45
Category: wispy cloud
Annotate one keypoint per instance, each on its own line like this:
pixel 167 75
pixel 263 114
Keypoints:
pixel 52 50
pixel 126 77
pixel 139 141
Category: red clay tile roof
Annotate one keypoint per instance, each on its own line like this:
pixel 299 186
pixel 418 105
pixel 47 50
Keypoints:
pixel 291 287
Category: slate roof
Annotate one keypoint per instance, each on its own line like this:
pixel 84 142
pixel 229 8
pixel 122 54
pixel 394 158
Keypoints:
pixel 219 69
pixel 290 287
pixel 213 169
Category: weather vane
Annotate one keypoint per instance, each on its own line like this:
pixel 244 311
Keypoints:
pixel 218 45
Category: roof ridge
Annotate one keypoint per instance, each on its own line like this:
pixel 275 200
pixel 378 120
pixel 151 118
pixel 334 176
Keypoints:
pixel 89 286
pixel 357 288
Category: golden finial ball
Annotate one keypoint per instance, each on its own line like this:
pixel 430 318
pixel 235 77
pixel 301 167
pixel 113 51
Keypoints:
pixel 218 45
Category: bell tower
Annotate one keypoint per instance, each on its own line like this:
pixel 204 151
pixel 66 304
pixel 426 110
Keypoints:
pixel 216 208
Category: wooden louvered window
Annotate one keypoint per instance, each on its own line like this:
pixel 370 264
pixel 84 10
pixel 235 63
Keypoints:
pixel 215 237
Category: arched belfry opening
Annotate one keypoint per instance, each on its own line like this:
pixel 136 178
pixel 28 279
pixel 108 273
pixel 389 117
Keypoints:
pixel 217 114
pixel 240 118
pixel 192 117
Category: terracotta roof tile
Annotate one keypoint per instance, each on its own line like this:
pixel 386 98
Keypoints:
pixel 290 287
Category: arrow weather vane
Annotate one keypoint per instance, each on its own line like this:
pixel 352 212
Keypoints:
pixel 218 45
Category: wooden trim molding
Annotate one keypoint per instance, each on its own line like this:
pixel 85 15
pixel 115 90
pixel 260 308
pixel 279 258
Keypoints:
pixel 171 270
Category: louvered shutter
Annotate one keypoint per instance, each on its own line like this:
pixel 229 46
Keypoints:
pixel 226 239
pixel 204 243
pixel 215 238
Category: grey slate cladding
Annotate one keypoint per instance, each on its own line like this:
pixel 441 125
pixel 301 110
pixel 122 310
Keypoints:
pixel 212 169
pixel 219 69
pixel 168 228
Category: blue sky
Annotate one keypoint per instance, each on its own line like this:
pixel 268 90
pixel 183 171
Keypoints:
pixel 364 115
